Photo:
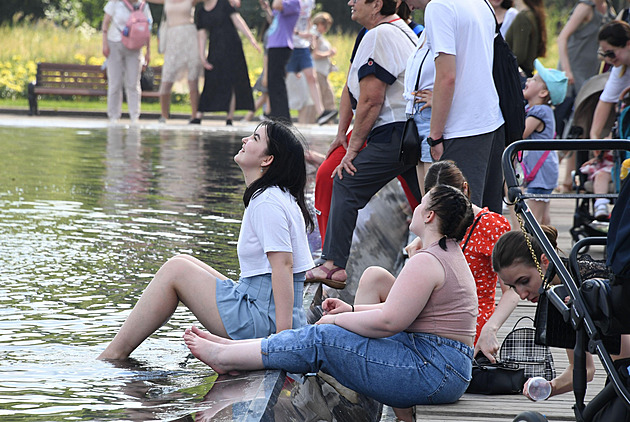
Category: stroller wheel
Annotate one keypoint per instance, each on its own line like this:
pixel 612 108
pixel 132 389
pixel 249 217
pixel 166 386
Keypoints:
pixel 530 416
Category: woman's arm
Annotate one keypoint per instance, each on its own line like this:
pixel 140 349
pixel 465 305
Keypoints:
pixel 582 13
pixel 420 276
pixel 282 286
pixel 600 116
pixel 107 20
pixel 369 106
pixel 202 39
pixel 240 24
pixel 487 342
pixel 345 118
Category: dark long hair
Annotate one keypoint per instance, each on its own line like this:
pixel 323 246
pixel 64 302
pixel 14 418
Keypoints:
pixel 453 210
pixel 615 33
pixel 512 248
pixel 538 8
pixel 288 168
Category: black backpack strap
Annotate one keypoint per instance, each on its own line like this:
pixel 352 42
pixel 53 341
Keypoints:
pixel 496 22
pixel 472 228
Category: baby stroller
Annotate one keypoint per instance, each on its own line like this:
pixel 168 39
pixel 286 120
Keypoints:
pixel 598 310
pixel 584 222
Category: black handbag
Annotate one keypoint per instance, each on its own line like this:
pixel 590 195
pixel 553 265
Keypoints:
pixel 551 329
pixel 410 140
pixel 495 378
pixel 507 82
pixel 147 80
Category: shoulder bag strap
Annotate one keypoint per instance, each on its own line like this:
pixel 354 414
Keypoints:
pixel 407 35
pixel 472 228
pixel 496 22
pixel 420 70
pixel 531 175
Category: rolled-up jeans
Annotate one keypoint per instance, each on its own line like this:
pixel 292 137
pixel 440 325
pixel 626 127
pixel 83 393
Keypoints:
pixel 400 371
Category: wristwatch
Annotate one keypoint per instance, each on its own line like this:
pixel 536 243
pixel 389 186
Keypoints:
pixel 433 142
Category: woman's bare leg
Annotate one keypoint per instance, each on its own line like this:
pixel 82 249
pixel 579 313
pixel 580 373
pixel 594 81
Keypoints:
pixel 230 114
pixel 165 98
pixel 193 89
pixel 181 279
pixel 238 355
pixel 374 286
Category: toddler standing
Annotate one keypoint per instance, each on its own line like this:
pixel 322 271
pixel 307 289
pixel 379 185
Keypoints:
pixel 540 168
pixel 322 52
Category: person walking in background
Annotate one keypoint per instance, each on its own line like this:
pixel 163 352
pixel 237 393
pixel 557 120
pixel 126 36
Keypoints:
pixel 527 36
pixel 279 46
pixel 123 65
pixel 540 168
pixel 226 85
pixel 180 55
pixel 466 122
pixel 273 254
pixel 322 53
pixel 505 13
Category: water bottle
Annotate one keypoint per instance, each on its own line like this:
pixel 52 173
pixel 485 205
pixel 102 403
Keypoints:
pixel 125 31
pixel 104 65
pixel 538 389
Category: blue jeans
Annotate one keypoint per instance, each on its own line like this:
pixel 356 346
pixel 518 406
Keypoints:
pixel 401 371
pixel 423 122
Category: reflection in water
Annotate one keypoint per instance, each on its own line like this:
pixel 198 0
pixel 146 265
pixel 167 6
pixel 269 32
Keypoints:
pixel 86 218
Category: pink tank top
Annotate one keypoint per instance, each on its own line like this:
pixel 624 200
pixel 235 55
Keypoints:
pixel 452 308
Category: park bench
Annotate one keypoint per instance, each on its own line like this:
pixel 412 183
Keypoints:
pixel 76 79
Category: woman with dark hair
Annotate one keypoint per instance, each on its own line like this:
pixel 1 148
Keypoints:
pixel 415 348
pixel 512 260
pixel 527 36
pixel 614 48
pixel 272 249
pixel 505 13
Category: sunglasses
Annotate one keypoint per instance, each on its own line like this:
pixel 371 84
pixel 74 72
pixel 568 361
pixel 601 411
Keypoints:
pixel 607 54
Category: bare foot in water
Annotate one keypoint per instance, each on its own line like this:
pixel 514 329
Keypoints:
pixel 205 350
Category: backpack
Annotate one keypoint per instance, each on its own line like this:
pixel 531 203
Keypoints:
pixel 507 82
pixel 137 30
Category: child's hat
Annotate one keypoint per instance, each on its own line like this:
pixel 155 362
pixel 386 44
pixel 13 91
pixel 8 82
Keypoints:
pixel 555 80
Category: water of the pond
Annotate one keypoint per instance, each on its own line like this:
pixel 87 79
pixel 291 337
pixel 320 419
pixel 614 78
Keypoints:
pixel 86 217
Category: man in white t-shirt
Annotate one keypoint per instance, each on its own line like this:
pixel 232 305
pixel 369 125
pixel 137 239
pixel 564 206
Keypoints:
pixel 466 122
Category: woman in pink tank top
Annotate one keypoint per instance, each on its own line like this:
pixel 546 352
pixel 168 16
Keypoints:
pixel 414 348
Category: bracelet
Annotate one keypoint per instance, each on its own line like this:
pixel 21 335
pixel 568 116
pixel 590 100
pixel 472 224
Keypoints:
pixel 352 308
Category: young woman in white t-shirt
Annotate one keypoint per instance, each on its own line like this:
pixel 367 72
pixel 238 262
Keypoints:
pixel 272 249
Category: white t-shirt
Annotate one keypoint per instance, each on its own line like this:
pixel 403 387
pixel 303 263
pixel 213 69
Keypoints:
pixel 272 222
pixel 466 30
pixel 303 24
pixel 615 84
pixel 421 57
pixel 119 12
pixel 508 18
pixel 383 52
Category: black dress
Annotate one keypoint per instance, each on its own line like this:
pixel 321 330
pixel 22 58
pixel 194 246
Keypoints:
pixel 226 55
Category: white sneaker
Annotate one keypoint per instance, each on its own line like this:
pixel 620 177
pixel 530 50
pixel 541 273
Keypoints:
pixel 601 212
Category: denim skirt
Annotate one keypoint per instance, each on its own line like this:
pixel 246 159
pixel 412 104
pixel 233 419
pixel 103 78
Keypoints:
pixel 403 370
pixel 247 307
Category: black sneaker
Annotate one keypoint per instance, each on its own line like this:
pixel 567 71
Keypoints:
pixel 326 116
